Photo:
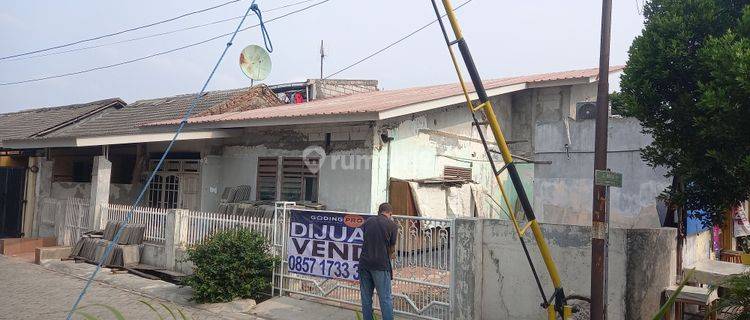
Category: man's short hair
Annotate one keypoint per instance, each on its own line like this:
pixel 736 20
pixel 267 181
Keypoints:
pixel 385 207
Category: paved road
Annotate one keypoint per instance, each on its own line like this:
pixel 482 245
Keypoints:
pixel 28 291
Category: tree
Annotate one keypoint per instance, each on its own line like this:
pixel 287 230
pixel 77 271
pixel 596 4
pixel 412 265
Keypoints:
pixel 687 80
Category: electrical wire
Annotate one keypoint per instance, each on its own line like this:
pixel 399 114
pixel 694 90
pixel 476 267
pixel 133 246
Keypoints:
pixel 184 121
pixel 393 43
pixel 148 36
pixel 121 31
pixel 157 53
pixel 263 31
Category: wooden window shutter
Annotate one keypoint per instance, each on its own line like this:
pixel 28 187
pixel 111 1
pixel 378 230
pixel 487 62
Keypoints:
pixel 457 172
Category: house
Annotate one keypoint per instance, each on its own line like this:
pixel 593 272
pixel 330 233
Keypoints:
pixel 349 148
pixel 357 145
pixel 17 192
pixel 63 155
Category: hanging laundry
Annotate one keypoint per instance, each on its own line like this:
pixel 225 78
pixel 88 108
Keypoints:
pixel 298 98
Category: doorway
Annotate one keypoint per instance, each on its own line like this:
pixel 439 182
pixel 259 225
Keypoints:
pixel 176 185
pixel 12 183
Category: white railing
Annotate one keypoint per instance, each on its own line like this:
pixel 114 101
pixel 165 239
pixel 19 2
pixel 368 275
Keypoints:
pixel 155 219
pixel 201 225
pixel 76 220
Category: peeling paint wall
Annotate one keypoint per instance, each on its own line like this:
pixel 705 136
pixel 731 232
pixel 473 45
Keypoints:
pixel 345 170
pixel 563 189
pixel 424 143
pixel 118 193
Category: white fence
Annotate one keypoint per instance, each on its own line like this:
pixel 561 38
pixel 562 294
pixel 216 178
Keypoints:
pixel 154 219
pixel 68 218
pixel 201 225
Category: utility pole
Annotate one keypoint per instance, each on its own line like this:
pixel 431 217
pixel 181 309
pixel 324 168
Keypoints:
pixel 599 227
pixel 322 55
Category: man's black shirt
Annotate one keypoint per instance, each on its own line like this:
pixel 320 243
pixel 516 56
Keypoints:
pixel 379 234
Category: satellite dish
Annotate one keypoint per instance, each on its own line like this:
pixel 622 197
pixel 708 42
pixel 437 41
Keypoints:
pixel 255 62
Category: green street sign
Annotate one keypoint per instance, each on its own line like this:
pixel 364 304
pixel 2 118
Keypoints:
pixel 607 178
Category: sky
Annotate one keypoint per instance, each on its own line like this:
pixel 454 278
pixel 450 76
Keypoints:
pixel 506 38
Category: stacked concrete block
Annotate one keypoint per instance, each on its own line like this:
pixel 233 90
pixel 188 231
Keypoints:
pixel 125 253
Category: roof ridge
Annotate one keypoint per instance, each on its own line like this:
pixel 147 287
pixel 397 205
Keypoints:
pixel 182 95
pixel 71 106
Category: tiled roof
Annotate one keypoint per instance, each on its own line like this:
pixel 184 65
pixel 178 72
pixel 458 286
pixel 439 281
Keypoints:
pixel 29 123
pixel 378 101
pixel 127 119
pixel 256 97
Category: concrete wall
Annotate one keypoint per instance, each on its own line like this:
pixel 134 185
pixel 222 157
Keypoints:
pixel 43 191
pixel 563 189
pixel 153 255
pixel 118 193
pixel 493 279
pixel 535 106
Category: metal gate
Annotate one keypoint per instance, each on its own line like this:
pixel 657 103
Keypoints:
pixel 422 284
pixel 77 220
pixel 11 201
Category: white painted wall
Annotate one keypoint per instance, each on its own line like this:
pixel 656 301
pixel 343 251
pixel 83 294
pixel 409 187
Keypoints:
pixel 345 172
pixel 210 182
pixel 697 248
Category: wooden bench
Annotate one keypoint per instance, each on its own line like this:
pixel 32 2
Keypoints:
pixel 691 295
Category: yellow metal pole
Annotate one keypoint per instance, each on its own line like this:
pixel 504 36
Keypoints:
pixel 497 133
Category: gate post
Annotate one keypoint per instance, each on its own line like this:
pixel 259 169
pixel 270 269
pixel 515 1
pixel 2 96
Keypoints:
pixel 42 192
pixel 100 177
pixel 466 276
pixel 280 222
pixel 175 235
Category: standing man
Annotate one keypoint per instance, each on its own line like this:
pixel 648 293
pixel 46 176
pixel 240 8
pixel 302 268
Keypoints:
pixel 375 271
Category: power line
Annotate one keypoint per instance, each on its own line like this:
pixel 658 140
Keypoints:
pixel 120 32
pixel 185 118
pixel 158 53
pixel 150 36
pixel 392 44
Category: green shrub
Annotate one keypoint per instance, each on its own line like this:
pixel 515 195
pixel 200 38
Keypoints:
pixel 231 264
pixel 736 300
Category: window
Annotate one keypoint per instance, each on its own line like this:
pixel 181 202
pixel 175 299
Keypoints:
pixel 163 192
pixel 295 180
pixel 457 172
pixel 267 172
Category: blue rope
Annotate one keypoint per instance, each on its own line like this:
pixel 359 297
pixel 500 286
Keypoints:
pixel 263 31
pixel 184 121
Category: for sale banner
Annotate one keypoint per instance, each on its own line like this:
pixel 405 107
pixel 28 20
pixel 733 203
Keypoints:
pixel 324 243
